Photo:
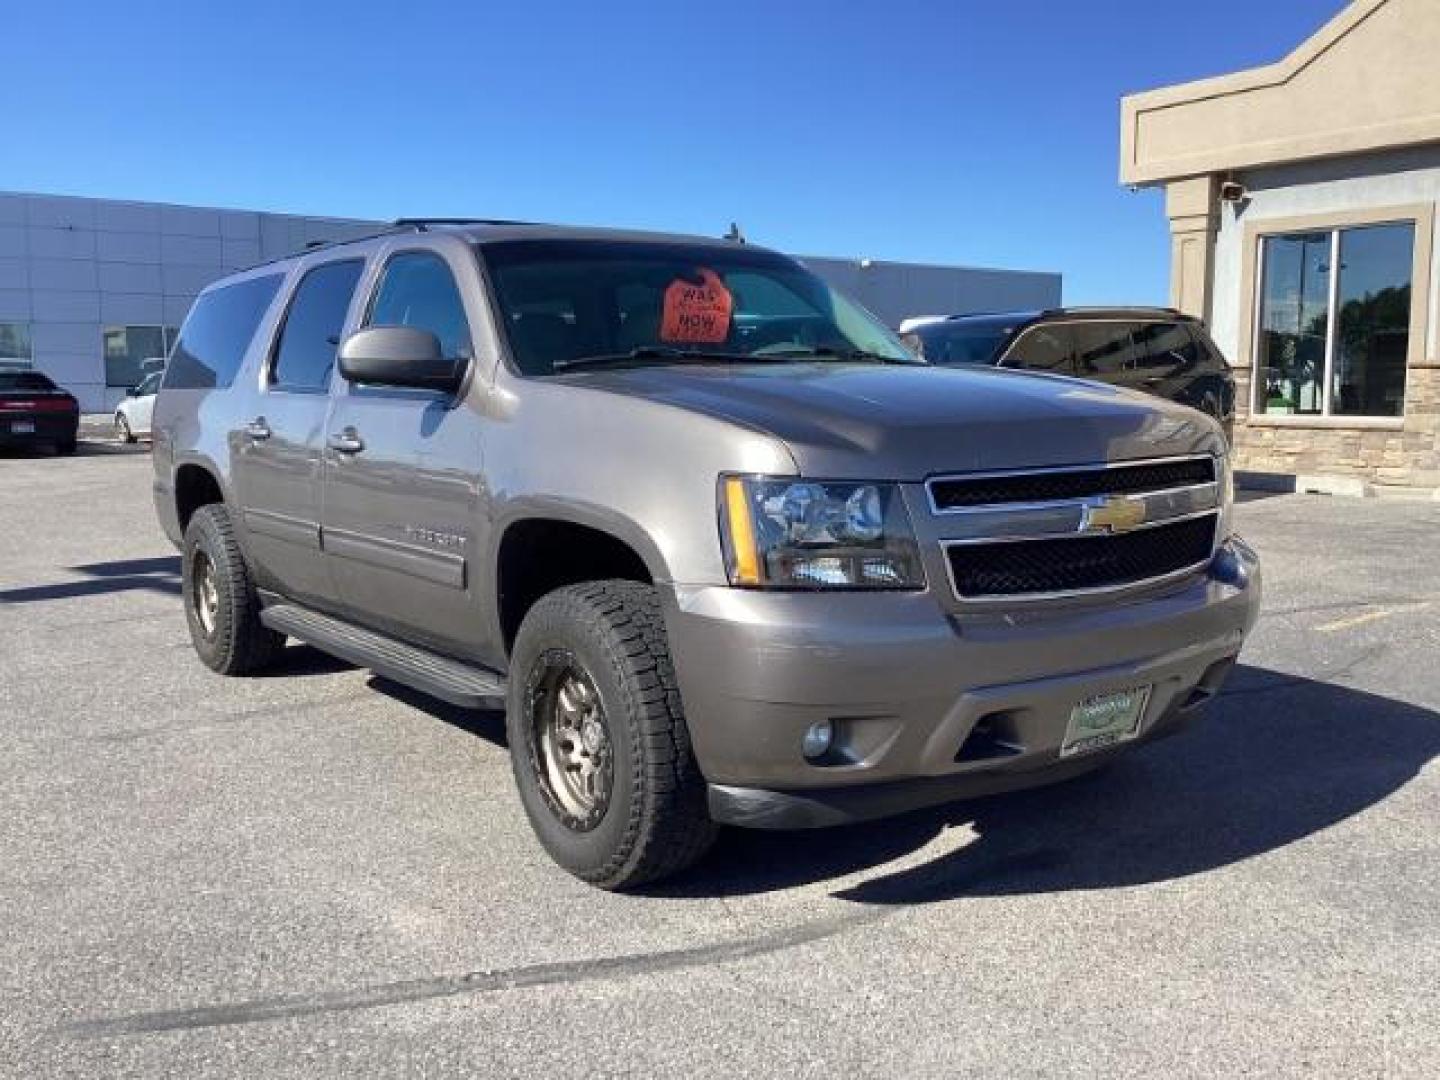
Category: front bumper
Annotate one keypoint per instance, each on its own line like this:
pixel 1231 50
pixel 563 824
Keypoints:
pixel 930 704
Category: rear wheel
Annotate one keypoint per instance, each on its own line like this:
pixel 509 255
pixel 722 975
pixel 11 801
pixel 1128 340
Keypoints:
pixel 221 608
pixel 66 446
pixel 598 740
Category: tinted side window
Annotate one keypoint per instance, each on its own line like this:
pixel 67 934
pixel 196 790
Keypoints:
pixel 305 354
pixel 1164 347
pixel 1103 349
pixel 417 289
pixel 217 332
pixel 1042 348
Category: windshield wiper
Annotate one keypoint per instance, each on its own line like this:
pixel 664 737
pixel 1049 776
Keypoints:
pixel 851 356
pixel 656 352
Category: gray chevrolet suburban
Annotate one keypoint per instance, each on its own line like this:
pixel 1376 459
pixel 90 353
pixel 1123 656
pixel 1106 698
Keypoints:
pixel 720 546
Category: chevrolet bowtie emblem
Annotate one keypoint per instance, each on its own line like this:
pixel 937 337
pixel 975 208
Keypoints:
pixel 1113 514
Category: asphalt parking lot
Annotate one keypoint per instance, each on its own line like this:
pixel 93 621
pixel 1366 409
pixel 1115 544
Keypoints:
pixel 321 874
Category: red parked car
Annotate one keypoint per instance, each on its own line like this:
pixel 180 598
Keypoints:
pixel 33 410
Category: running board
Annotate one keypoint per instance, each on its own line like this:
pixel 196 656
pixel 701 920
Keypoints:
pixel 449 680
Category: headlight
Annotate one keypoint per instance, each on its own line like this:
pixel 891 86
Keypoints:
pixel 804 534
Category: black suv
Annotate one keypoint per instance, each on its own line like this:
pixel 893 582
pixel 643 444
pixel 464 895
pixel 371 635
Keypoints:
pixel 1158 350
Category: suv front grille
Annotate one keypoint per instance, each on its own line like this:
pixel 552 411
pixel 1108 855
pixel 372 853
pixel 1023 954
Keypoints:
pixel 954 493
pixel 1078 563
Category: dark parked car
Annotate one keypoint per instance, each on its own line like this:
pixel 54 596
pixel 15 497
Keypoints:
pixel 34 411
pixel 1158 350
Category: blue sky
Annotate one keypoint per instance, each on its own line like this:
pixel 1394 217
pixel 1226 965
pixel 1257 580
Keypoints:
pixel 949 131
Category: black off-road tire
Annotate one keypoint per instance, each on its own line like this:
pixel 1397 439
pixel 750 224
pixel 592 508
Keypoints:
pixel 656 822
pixel 66 446
pixel 237 643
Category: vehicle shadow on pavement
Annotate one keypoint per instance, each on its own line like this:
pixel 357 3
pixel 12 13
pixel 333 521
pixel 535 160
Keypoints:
pixel 298 659
pixel 108 448
pixel 84 448
pixel 1275 759
pixel 160 575
pixel 488 724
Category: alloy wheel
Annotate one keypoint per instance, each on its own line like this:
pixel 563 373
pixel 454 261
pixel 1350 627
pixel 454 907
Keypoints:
pixel 205 593
pixel 570 747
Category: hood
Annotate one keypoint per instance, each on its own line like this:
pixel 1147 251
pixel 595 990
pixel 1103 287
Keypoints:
pixel 849 421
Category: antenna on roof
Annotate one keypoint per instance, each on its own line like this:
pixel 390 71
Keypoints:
pixel 734 235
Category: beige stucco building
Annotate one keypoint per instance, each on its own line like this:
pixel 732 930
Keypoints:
pixel 1302 200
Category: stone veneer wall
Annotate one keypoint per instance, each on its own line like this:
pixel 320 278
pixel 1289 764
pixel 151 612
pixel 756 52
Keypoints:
pixel 1408 457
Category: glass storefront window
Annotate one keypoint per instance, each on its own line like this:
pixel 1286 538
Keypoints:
pixel 1334 322
pixel 15 354
pixel 1294 321
pixel 132 352
pixel 1373 335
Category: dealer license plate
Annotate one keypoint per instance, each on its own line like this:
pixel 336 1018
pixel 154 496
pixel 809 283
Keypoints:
pixel 1104 720
pixel 22 427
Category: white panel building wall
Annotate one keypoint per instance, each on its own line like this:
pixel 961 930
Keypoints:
pixel 69 267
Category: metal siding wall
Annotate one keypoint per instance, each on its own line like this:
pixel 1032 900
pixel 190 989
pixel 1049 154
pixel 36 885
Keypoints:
pixel 71 266
pixel 897 291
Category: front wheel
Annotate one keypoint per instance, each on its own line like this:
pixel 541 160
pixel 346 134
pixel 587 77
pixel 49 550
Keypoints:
pixel 598 741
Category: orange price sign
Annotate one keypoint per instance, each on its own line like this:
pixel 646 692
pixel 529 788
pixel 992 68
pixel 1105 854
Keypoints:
pixel 698 313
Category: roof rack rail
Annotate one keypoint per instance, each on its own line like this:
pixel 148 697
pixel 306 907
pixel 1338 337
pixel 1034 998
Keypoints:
pixel 396 226
pixel 1008 312
pixel 1085 309
pixel 424 224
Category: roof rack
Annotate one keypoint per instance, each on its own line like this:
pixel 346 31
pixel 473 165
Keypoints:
pixel 397 226
pixel 1105 308
pixel 425 224
pixel 1009 313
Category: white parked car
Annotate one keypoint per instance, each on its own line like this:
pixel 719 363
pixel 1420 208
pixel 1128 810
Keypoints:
pixel 132 416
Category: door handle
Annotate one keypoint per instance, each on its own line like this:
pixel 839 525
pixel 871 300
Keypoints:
pixel 258 429
pixel 346 442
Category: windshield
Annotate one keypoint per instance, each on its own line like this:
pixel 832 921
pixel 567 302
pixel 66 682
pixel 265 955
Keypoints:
pixel 962 343
pixel 565 303
pixel 24 380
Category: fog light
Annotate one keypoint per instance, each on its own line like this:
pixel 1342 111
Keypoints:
pixel 1228 568
pixel 818 740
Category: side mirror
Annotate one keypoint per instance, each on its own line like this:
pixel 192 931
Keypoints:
pixel 401 356
pixel 134 391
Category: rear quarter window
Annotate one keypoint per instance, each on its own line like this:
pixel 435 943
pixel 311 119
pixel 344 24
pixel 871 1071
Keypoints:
pixel 1211 358
pixel 217 333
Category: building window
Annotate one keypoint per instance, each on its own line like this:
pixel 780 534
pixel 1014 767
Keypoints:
pixel 15 351
pixel 1334 326
pixel 132 352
